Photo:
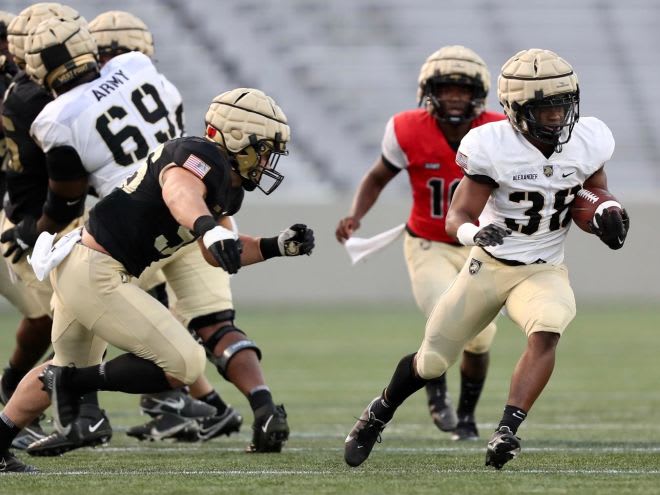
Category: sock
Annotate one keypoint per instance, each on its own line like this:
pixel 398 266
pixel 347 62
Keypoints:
pixel 260 397
pixel 403 384
pixel 513 416
pixel 213 399
pixel 11 377
pixel 470 393
pixel 119 375
pixel 91 398
pixel 8 431
pixel 436 389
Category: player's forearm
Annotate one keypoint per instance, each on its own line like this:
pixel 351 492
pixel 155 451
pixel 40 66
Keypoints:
pixel 365 197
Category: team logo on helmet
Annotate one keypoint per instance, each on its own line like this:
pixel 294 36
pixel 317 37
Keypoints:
pixel 456 65
pixel 58 51
pixel 253 129
pixel 534 79
pixel 119 32
pixel 29 18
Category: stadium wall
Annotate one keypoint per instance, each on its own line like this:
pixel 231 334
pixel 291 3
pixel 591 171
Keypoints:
pixel 598 274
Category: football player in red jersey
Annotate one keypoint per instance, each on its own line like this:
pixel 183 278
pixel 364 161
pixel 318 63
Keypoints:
pixel 453 85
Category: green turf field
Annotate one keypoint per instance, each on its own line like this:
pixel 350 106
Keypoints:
pixel 594 430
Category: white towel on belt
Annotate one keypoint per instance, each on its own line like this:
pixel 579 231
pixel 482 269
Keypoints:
pixel 45 256
pixel 359 248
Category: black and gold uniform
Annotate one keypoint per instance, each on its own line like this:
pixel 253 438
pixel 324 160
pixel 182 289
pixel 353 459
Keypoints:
pixel 27 177
pixel 133 222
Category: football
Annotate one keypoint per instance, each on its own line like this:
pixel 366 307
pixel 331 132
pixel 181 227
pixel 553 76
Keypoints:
pixel 588 202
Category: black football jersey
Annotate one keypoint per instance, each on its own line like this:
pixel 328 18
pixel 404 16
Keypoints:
pixel 27 176
pixel 133 222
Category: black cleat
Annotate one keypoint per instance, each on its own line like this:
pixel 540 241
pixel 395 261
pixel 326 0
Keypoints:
pixel 90 429
pixel 466 429
pixel 175 402
pixel 443 414
pixel 502 447
pixel 221 424
pixel 9 463
pixel 165 426
pixel 269 431
pixel 30 434
pixel 364 435
pixel 63 401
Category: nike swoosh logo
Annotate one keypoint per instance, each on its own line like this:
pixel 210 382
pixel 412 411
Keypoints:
pixel 265 426
pixel 566 175
pixel 93 428
pixel 174 404
pixel 71 203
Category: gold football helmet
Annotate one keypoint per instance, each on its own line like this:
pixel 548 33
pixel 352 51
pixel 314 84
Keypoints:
pixel 458 65
pixel 58 51
pixel 29 19
pixel 253 129
pixel 533 79
pixel 118 32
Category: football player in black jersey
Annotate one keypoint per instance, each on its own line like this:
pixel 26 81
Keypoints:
pixel 182 194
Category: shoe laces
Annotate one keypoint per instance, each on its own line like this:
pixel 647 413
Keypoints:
pixel 372 424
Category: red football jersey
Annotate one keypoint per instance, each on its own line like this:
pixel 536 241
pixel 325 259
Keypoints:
pixel 431 166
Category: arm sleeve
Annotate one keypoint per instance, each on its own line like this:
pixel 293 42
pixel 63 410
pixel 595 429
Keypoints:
pixel 63 164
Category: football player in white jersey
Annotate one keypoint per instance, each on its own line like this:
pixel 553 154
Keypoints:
pixel 117 32
pixel 521 177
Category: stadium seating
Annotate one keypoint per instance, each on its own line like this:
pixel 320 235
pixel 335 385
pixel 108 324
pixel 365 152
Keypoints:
pixel 339 69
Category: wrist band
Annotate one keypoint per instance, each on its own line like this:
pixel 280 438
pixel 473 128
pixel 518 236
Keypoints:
pixel 466 232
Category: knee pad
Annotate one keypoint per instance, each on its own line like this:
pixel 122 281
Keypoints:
pixel 221 362
pixel 431 364
pixel 211 319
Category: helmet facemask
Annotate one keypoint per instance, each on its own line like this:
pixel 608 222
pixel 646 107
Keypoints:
pixel 256 161
pixel 473 108
pixel 550 133
pixel 259 161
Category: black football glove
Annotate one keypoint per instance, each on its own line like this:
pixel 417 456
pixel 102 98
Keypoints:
pixel 227 253
pixel 20 238
pixel 296 240
pixel 613 226
pixel 491 235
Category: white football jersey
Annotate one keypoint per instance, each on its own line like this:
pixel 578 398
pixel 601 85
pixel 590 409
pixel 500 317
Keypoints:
pixel 114 121
pixel 533 191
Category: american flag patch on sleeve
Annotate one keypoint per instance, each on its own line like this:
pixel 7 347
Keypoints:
pixel 197 166
pixel 462 160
